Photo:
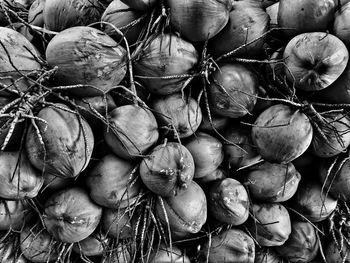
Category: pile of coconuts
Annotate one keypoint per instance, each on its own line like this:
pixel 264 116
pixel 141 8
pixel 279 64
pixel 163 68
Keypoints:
pixel 174 131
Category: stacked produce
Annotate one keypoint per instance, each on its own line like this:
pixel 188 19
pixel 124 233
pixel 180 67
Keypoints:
pixel 174 131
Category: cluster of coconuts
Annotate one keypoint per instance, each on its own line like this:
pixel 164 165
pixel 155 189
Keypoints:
pixel 259 158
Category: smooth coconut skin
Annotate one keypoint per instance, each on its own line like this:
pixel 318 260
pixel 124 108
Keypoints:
pixel 305 15
pixel 62 14
pixel 281 134
pixel 21 53
pixel 217 123
pixel 233 90
pixel 313 202
pixel 198 20
pixel 261 227
pixel 248 21
pixel 228 202
pixel 240 151
pixel 117 223
pixel 52 182
pixel 87 56
pixel 35 13
pixel 302 244
pixel 168 169
pixel 341 25
pixel 142 5
pixel 111 182
pixel 120 14
pixel 338 136
pixel 19 179
pixel 186 212
pixel 68 142
pixel 207 153
pixel 176 110
pixel 133 130
pixel 70 215
pixel 266 255
pixel 271 182
pixel 272 12
pixel 217 175
pixel 93 245
pixel 165 55
pixel 37 245
pixel 264 3
pixel 165 254
pixel 229 246
pixel 339 91
pixel 336 181
pixel 14 214
pixel 313 61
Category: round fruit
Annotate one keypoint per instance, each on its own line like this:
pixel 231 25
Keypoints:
pixel 281 134
pixel 233 90
pixel 313 61
pixel 70 215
